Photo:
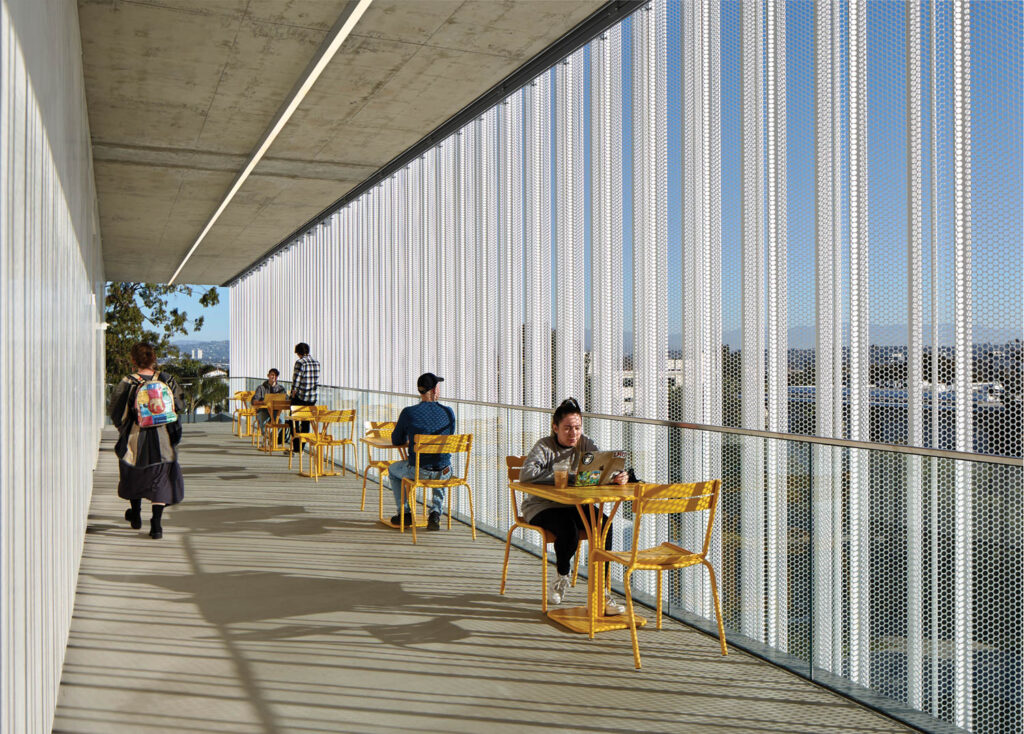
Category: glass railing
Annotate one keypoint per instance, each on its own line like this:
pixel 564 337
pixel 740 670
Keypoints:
pixel 891 575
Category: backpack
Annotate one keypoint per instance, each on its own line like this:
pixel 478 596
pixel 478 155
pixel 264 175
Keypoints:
pixel 153 401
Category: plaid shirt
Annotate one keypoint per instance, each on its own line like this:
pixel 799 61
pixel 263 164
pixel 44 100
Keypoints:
pixel 305 378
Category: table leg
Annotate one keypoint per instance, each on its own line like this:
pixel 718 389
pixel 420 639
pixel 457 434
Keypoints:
pixel 591 618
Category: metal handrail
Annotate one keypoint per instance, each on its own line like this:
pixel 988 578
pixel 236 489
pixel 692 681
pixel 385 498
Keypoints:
pixel 774 435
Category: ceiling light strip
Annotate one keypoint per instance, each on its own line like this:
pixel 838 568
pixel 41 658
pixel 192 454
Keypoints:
pixel 344 25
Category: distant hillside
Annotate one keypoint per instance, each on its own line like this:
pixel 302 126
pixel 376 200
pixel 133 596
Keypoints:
pixel 213 351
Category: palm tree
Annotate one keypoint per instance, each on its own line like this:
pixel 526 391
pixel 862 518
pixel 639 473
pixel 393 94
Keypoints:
pixel 206 392
pixel 201 389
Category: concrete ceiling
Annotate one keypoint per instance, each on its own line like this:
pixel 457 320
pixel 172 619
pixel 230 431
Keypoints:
pixel 181 91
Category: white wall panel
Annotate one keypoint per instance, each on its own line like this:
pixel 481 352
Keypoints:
pixel 51 343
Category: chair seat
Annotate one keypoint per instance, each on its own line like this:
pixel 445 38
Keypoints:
pixel 437 483
pixel 329 441
pixel 663 557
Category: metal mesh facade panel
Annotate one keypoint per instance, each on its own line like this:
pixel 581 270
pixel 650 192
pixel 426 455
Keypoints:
pixel 802 218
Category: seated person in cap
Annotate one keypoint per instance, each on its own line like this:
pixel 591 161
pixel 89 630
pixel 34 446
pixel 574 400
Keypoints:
pixel 426 417
pixel 269 386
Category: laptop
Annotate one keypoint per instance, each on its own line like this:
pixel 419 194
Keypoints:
pixel 598 467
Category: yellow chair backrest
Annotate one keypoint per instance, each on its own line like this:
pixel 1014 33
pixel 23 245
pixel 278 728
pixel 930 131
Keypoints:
pixel 380 429
pixel 304 413
pixel 514 467
pixel 454 444
pixel 662 499
pixel 336 416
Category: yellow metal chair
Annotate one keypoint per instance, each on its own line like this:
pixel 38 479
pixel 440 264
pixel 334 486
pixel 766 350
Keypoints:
pixel 306 414
pixel 426 444
pixel 378 429
pixel 325 441
pixel 274 427
pixel 514 465
pixel 246 412
pixel 664 499
pixel 236 421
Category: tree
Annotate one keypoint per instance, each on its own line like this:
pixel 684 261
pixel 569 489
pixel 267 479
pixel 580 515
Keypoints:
pixel 201 390
pixel 138 312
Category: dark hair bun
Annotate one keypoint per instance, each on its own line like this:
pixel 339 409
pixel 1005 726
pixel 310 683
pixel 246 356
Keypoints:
pixel 569 406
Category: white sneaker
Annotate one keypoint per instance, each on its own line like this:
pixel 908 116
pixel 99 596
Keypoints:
pixel 612 608
pixel 559 589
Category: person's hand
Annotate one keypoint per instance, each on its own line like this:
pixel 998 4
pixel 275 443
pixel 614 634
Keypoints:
pixel 620 478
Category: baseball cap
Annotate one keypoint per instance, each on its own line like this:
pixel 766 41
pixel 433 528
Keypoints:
pixel 428 381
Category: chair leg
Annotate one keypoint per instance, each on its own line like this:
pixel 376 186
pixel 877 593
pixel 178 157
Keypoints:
pixel 504 567
pixel 362 503
pixel 472 517
pixel 659 598
pixel 575 565
pixel 543 574
pixel 718 607
pixel 632 619
pixel 412 509
pixel 380 497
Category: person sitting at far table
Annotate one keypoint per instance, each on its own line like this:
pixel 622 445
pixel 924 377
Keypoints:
pixel 270 386
pixel 426 417
pixel 563 521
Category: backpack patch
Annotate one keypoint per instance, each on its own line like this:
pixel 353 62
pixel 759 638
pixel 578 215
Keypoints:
pixel 154 403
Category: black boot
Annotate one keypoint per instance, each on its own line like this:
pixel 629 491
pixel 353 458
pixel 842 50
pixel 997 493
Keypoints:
pixel 134 514
pixel 156 530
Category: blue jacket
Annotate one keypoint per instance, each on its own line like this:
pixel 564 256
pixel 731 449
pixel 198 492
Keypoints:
pixel 429 418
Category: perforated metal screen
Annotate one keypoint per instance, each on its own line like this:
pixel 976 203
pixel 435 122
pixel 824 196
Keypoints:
pixel 797 217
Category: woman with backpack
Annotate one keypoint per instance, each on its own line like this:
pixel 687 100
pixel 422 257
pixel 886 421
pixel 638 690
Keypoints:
pixel 144 408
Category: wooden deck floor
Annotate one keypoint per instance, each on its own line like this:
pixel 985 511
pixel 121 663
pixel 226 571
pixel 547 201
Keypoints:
pixel 272 604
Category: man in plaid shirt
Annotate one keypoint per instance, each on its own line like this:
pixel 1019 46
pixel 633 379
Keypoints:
pixel 305 381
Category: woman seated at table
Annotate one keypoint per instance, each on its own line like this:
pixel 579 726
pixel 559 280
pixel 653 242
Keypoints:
pixel 563 521
pixel 269 387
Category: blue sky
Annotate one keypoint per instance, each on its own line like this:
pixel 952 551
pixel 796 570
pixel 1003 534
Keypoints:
pixel 997 183
pixel 216 319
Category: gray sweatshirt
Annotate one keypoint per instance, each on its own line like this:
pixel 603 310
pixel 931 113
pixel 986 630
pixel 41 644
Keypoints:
pixel 539 468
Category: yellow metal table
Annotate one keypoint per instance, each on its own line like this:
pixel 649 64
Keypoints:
pixel 275 408
pixel 590 502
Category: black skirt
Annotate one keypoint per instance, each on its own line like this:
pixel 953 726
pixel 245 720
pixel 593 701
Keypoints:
pixel 149 478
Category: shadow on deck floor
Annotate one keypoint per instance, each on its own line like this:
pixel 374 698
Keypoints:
pixel 272 604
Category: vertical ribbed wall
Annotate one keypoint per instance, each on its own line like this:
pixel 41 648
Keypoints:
pixel 51 347
pixel 728 214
